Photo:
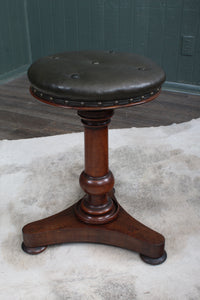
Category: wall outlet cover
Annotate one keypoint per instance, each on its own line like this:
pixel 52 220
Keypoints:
pixel 188 45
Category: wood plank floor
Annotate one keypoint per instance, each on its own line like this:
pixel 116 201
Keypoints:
pixel 21 116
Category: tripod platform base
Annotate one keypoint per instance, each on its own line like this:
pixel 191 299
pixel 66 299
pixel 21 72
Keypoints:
pixel 125 232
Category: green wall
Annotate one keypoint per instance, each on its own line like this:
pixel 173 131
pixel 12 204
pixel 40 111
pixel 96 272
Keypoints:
pixel 154 28
pixel 14 37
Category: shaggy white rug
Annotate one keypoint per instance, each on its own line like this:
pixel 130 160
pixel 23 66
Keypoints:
pixel 157 173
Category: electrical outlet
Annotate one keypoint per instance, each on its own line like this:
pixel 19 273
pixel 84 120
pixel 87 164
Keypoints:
pixel 188 45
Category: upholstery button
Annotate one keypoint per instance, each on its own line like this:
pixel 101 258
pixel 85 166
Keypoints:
pixel 54 57
pixel 141 68
pixel 75 76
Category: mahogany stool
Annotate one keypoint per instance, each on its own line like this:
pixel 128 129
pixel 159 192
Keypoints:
pixel 95 83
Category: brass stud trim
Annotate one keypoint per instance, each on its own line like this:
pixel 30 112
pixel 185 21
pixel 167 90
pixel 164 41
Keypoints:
pixel 97 103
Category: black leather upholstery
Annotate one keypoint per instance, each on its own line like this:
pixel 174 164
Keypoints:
pixel 95 76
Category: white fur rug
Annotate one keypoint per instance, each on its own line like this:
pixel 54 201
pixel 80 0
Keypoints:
pixel 157 173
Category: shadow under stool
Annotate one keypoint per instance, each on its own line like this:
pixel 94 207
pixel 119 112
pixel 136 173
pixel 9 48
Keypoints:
pixel 95 83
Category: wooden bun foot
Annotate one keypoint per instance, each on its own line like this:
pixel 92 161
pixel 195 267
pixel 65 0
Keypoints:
pixel 154 261
pixel 33 250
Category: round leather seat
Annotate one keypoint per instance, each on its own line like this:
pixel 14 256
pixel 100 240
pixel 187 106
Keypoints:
pixel 95 79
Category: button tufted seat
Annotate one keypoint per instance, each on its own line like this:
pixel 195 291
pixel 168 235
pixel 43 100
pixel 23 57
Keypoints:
pixel 95 79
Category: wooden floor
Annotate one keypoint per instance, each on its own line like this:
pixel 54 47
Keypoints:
pixel 21 116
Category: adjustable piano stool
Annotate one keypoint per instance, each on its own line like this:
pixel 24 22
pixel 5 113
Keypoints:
pixel 95 83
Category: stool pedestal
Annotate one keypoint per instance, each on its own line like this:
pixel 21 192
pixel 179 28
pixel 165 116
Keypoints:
pixel 97 217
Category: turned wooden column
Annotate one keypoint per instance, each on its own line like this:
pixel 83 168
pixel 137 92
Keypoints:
pixel 97 206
